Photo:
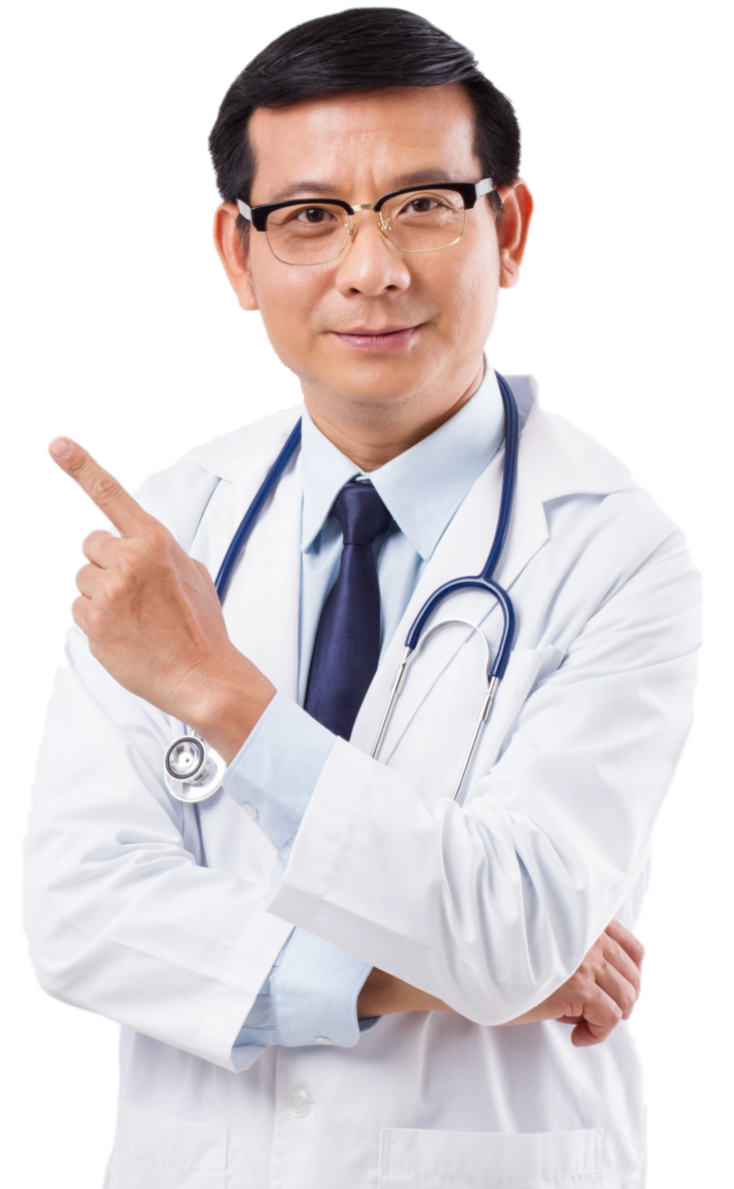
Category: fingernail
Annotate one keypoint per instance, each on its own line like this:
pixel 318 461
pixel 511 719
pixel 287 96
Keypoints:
pixel 60 448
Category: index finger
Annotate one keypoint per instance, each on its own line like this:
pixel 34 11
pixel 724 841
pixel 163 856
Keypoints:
pixel 110 497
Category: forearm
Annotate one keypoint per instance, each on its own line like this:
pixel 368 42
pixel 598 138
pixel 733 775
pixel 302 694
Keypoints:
pixel 600 993
pixel 383 994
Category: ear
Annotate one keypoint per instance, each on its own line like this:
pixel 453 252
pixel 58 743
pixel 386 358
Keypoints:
pixel 518 208
pixel 234 254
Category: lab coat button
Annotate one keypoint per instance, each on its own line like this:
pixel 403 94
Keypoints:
pixel 322 1040
pixel 299 1102
pixel 250 810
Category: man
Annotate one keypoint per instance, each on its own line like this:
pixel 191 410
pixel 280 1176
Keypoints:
pixel 312 968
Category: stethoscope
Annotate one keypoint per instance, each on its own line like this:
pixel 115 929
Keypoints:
pixel 193 771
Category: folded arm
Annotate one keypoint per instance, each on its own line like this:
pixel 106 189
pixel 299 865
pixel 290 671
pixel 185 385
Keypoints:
pixel 598 995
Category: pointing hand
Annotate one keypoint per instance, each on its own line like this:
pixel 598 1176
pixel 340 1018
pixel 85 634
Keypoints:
pixel 153 618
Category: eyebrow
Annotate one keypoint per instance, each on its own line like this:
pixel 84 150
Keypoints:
pixel 311 189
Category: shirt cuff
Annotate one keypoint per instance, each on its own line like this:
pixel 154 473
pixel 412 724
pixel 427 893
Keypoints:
pixel 315 990
pixel 277 768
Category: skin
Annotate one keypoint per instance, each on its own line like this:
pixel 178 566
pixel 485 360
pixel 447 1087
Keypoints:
pixel 373 405
pixel 387 346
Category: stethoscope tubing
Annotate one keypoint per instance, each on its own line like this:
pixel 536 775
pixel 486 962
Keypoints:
pixel 267 487
pixel 483 581
pixel 477 582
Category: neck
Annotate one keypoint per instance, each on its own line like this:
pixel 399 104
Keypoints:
pixel 371 435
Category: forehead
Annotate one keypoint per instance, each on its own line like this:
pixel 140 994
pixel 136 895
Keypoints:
pixel 367 138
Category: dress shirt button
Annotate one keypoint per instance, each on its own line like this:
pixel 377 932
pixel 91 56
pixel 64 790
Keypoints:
pixel 299 1102
pixel 250 810
pixel 322 1040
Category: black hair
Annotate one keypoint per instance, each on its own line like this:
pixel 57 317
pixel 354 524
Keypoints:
pixel 361 49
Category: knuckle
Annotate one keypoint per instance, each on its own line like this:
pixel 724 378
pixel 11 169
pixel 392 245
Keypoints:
pixel 627 1002
pixel 103 489
pixel 581 980
pixel 204 573
pixel 158 536
pixel 77 464
pixel 126 565
pixel 615 1012
pixel 94 620
pixel 94 540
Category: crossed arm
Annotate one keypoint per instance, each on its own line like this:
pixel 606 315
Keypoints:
pixel 598 995
pixel 142 597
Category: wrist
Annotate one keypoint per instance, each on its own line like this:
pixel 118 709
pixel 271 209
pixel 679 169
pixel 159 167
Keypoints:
pixel 228 703
pixel 383 993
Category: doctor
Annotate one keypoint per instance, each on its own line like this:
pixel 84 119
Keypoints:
pixel 249 944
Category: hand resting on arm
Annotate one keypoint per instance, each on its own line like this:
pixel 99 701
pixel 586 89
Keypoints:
pixel 595 998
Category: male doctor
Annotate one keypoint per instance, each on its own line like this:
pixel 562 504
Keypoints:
pixel 313 967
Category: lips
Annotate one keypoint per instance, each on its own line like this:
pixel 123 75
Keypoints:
pixel 375 331
pixel 383 338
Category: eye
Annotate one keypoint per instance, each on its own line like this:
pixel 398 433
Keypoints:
pixel 421 204
pixel 313 215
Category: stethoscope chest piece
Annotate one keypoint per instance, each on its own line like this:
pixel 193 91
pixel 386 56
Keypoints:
pixel 192 771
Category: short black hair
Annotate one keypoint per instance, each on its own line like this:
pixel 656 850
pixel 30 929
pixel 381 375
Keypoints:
pixel 361 49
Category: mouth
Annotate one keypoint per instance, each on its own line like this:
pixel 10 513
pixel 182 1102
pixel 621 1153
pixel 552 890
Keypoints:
pixel 383 338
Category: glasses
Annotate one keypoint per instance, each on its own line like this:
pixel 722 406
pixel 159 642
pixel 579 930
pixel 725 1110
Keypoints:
pixel 317 230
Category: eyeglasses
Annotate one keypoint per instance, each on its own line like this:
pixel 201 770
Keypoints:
pixel 317 230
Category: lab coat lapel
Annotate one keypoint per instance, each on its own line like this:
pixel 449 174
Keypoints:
pixel 463 549
pixel 261 605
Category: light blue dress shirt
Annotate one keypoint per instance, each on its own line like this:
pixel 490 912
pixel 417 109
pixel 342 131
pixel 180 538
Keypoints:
pixel 311 993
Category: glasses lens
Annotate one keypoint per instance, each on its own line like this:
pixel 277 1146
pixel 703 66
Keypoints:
pixel 307 233
pixel 425 220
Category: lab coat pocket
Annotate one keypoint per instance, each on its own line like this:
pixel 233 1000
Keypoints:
pixel 483 1160
pixel 155 1153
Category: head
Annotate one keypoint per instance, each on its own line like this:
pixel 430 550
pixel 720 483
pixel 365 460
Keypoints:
pixel 357 102
pixel 362 49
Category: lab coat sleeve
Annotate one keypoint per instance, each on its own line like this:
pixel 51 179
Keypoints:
pixel 492 906
pixel 121 915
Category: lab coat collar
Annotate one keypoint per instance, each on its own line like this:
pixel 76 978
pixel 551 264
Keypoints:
pixel 555 460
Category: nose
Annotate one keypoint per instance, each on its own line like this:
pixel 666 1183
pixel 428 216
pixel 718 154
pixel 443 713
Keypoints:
pixel 371 263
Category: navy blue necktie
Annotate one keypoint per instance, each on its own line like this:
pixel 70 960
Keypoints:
pixel 347 645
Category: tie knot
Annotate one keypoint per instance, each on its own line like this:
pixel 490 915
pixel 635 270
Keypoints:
pixel 361 513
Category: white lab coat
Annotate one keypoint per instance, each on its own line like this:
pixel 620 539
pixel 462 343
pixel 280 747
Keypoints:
pixel 162 917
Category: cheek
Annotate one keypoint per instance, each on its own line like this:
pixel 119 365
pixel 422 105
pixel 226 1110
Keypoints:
pixel 474 296
pixel 287 299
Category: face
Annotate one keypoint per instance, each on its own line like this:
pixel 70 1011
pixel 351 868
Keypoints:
pixel 378 335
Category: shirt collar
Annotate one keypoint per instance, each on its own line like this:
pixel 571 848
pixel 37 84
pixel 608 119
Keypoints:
pixel 424 486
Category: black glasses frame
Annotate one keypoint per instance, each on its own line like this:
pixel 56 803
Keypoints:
pixel 469 191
